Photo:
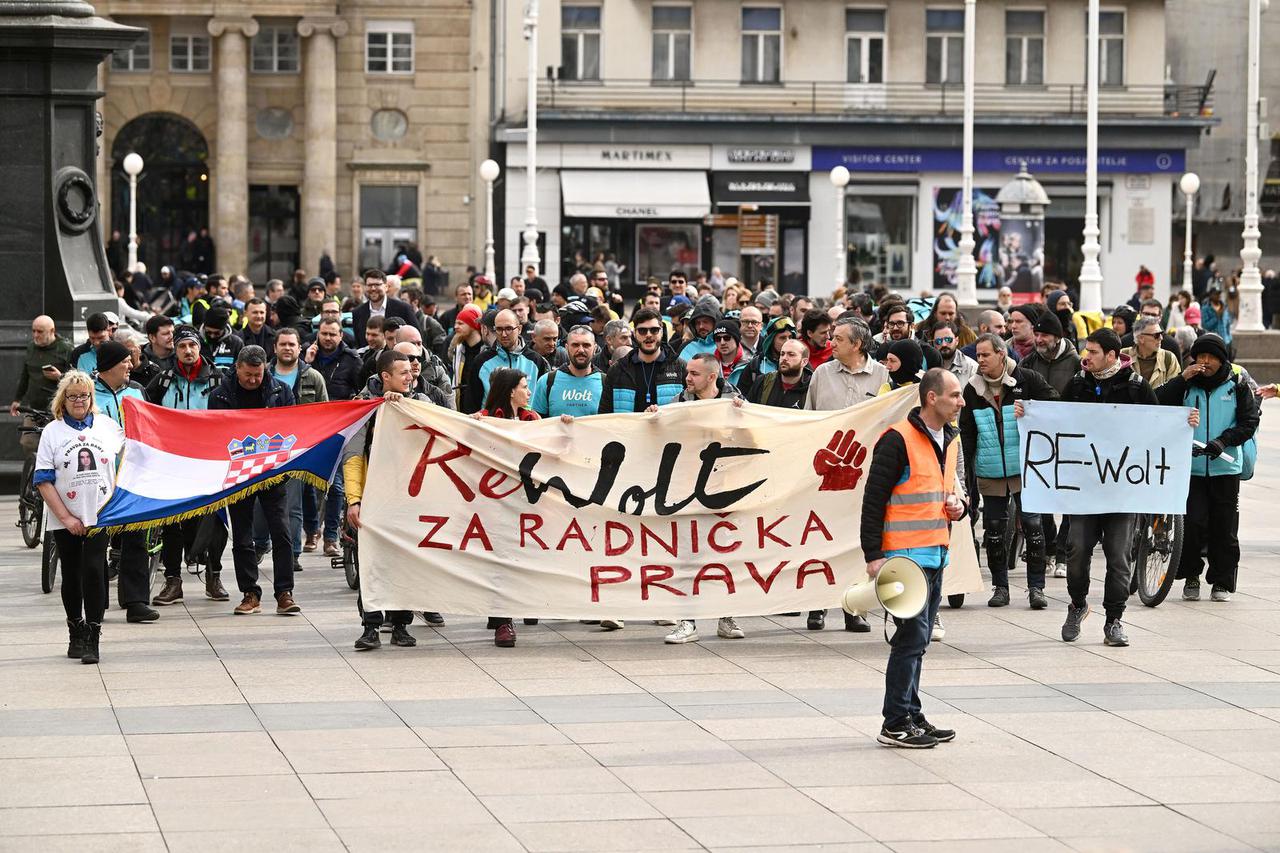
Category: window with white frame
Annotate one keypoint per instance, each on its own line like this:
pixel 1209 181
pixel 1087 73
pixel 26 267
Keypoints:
pixel 864 45
pixel 580 42
pixel 388 47
pixel 1111 48
pixel 672 42
pixel 1024 47
pixel 136 57
pixel 761 44
pixel 275 50
pixel 188 51
pixel 944 46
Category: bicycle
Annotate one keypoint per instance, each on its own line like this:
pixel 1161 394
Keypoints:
pixel 1156 549
pixel 30 504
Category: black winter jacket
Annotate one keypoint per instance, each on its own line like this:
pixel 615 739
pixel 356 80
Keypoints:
pixel 1127 386
pixel 341 373
pixel 272 394
pixel 768 390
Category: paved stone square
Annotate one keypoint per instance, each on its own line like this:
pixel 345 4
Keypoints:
pixel 204 731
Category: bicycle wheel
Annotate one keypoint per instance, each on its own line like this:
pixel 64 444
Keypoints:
pixel 351 562
pixel 48 564
pixel 1156 562
pixel 30 507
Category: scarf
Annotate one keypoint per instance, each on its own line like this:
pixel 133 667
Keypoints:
pixel 1107 373
pixel 190 373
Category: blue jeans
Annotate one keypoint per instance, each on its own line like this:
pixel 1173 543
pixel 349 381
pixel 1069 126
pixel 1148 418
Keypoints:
pixel 909 642
pixel 334 507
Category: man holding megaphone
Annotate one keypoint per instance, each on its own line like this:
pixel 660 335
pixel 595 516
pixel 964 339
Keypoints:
pixel 907 511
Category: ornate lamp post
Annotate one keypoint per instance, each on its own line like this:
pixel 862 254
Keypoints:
pixel 840 180
pixel 1190 185
pixel 133 167
pixel 489 171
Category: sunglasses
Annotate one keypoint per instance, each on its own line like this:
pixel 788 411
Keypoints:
pixel 944 340
pixel 649 330
pixel 719 338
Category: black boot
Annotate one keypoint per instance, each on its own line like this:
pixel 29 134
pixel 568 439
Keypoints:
pixel 369 640
pixel 91 643
pixel 77 630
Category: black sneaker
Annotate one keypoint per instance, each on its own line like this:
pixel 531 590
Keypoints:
pixel 400 636
pixel 297 566
pixel 856 623
pixel 1071 628
pixel 1113 633
pixel 139 612
pixel 999 597
pixel 432 618
pixel 906 736
pixel 940 735
pixel 1037 599
pixel 259 553
pixel 817 620
pixel 369 640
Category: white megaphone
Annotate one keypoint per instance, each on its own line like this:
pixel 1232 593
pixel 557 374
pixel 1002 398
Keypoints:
pixel 899 587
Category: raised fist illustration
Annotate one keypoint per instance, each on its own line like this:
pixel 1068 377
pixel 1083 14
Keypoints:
pixel 839 464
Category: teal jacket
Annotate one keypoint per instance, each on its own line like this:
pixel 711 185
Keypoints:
pixel 1228 414
pixel 989 436
pixel 111 403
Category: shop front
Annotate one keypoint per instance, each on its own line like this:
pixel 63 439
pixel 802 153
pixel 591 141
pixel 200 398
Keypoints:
pixel 903 208
pixel 760 227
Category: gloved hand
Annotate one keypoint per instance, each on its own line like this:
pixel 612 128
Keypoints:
pixel 1214 449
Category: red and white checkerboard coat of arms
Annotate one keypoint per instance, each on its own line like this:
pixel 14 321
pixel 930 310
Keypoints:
pixel 251 456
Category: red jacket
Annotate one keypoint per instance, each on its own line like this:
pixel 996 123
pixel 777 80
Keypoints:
pixel 523 414
pixel 822 356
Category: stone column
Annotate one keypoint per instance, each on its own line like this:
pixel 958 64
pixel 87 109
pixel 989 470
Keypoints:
pixel 320 169
pixel 231 165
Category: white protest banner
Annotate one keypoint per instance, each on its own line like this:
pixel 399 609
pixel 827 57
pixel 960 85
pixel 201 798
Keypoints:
pixel 698 510
pixel 1094 458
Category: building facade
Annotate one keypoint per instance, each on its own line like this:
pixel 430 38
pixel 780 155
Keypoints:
pixel 702 134
pixel 1218 214
pixel 292 128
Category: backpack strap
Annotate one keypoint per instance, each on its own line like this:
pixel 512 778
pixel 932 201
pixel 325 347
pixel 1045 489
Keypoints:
pixel 551 381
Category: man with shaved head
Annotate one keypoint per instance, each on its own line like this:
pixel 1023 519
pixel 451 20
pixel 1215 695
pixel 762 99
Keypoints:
pixel 508 350
pixel 47 358
pixel 429 371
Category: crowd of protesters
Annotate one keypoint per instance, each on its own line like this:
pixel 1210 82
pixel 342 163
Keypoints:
pixel 527 350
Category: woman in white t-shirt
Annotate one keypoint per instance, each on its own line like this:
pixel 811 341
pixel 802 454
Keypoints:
pixel 75 472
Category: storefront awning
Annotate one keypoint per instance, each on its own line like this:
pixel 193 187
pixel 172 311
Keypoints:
pixel 639 194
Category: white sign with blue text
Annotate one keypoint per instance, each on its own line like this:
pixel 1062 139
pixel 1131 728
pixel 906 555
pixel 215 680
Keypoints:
pixel 1095 458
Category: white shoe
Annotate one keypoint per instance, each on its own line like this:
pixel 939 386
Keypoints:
pixel 1060 570
pixel 938 631
pixel 612 624
pixel 728 629
pixel 686 632
pixel 664 622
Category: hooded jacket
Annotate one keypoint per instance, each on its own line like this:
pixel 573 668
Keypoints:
pixel 111 403
pixel 764 361
pixel 523 359
pixel 1126 386
pixel 700 345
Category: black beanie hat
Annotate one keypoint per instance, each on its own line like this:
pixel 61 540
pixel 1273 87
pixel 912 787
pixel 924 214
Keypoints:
pixel 1048 324
pixel 728 326
pixel 1208 343
pixel 111 353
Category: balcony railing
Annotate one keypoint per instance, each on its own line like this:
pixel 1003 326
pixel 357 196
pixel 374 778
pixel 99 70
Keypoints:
pixel 835 98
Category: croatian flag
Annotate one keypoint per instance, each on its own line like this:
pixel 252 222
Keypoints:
pixel 178 464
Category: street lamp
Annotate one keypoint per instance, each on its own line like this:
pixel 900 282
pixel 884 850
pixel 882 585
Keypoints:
pixel 133 167
pixel 530 255
pixel 840 180
pixel 1250 319
pixel 489 171
pixel 1190 185
pixel 966 266
pixel 1090 270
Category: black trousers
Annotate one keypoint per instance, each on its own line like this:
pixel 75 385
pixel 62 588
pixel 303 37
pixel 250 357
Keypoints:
pixel 275 506
pixel 1115 530
pixel 132 580
pixel 179 541
pixel 1057 545
pixel 996 537
pixel 83 563
pixel 374 618
pixel 1213 520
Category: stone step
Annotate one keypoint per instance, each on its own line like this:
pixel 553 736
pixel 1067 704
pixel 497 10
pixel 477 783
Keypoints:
pixel 1251 345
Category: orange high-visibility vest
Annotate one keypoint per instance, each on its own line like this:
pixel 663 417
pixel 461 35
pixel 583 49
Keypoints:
pixel 915 517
